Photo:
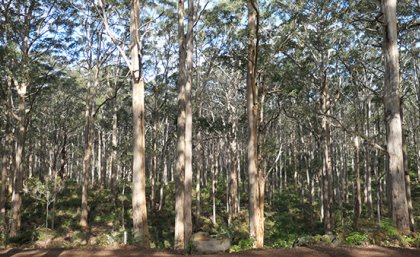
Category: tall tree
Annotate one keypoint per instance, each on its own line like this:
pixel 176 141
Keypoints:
pixel 392 115
pixel 183 219
pixel 140 227
pixel 256 231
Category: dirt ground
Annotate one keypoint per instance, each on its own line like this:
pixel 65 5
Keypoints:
pixel 369 251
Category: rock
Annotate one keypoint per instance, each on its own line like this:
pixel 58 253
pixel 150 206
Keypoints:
pixel 203 243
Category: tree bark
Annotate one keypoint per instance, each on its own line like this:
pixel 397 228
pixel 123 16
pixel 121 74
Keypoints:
pixel 183 218
pixel 188 124
pixel 233 179
pixel 368 178
pixel 392 116
pixel 140 226
pixel 3 192
pixel 87 163
pixel 357 197
pixel 19 165
pixel 326 147
pixel 179 243
pixel 114 150
pixel 252 113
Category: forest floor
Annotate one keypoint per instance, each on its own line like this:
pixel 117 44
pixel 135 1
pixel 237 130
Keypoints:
pixel 316 251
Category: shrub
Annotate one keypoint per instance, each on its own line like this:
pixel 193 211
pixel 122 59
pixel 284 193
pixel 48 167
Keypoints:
pixel 357 238
pixel 244 244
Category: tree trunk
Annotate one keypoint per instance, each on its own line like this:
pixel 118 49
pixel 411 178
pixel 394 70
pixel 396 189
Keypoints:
pixel 179 243
pixel 154 164
pixel 114 150
pixel 188 124
pixel 88 133
pixel 140 227
pixel 3 192
pixel 164 179
pixel 99 158
pixel 368 178
pixel 198 180
pixel 357 197
pixel 252 113
pixel 183 219
pixel 326 146
pixel 214 168
pixel 63 159
pixel 19 165
pixel 407 177
pixel 233 179
pixel 392 116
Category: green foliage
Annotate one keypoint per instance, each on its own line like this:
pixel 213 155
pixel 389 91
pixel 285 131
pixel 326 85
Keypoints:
pixel 388 228
pixel 44 233
pixel 244 244
pixel 190 248
pixel 357 238
pixel 412 240
pixel 289 219
pixel 43 190
pixel 281 243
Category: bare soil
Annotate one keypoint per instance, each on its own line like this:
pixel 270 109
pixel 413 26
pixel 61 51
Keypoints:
pixel 318 251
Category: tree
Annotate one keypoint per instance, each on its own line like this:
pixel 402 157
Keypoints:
pixel 392 115
pixel 27 42
pixel 140 226
pixel 183 219
pixel 256 227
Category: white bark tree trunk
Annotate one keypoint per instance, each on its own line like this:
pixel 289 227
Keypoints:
pixel 140 227
pixel 392 116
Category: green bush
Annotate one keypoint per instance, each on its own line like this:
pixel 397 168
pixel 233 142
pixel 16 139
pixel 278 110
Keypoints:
pixel 389 229
pixel 357 238
pixel 281 243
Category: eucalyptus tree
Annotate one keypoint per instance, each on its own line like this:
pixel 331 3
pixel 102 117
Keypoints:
pixel 183 219
pixel 392 115
pixel 95 53
pixel 140 225
pixel 256 214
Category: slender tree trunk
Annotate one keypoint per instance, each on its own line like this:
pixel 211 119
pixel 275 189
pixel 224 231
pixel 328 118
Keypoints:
pixel 188 124
pixel 252 113
pixel 63 159
pixel 368 178
pixel 326 147
pixel 154 166
pixel 164 180
pixel 19 165
pixel 407 177
pixel 140 226
pixel 357 197
pixel 233 180
pixel 214 168
pixel 198 180
pixel 93 161
pixel 114 150
pixel 392 116
pixel 183 218
pixel 3 192
pixel 179 243
pixel 87 162
pixel 99 158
